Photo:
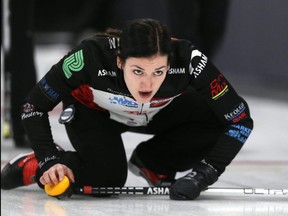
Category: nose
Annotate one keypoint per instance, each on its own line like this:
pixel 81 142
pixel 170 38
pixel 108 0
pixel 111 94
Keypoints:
pixel 146 82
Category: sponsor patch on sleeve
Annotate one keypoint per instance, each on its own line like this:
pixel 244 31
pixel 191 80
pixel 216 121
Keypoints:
pixel 218 87
pixel 47 90
pixel 73 63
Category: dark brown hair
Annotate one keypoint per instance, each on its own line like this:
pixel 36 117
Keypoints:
pixel 141 38
pixel 144 38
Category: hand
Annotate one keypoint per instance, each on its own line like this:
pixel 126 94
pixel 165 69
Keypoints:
pixel 55 174
pixel 190 186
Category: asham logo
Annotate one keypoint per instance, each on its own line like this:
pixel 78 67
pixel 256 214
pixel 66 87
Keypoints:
pixel 158 190
pixel 201 64
pixel 176 71
pixel 104 72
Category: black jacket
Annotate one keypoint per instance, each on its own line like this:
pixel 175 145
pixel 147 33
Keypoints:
pixel 89 74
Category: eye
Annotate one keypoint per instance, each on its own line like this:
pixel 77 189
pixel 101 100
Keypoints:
pixel 137 72
pixel 158 73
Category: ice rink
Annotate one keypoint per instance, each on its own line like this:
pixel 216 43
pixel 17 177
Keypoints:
pixel 262 163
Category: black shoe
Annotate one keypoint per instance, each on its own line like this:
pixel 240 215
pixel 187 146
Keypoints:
pixel 137 167
pixel 20 171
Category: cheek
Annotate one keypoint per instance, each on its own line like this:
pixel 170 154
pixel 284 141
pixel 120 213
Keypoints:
pixel 159 82
pixel 130 82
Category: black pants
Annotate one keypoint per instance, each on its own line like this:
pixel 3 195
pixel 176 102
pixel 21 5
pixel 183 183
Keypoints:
pixel 20 62
pixel 184 132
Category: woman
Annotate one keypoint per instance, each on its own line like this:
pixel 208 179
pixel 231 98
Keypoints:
pixel 136 80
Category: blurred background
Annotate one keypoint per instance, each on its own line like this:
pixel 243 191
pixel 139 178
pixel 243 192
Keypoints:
pixel 248 40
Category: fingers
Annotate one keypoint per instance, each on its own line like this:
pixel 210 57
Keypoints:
pixel 70 175
pixel 55 174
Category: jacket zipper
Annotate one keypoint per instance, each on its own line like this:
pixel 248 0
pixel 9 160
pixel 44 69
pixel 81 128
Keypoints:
pixel 141 110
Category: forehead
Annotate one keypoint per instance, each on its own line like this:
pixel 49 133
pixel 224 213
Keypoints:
pixel 151 61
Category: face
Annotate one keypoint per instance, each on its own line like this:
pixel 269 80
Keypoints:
pixel 144 76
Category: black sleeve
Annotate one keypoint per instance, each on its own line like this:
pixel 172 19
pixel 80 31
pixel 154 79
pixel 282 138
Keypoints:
pixel 37 127
pixel 230 108
pixel 68 74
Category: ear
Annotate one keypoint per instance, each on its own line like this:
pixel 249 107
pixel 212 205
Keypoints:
pixel 119 63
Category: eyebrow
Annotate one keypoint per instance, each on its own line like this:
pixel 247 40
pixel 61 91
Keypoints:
pixel 143 68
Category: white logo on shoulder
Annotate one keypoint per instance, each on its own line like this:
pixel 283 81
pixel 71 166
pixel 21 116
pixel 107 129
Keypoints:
pixel 200 66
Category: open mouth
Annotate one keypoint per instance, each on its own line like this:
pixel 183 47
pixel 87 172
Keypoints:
pixel 145 94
